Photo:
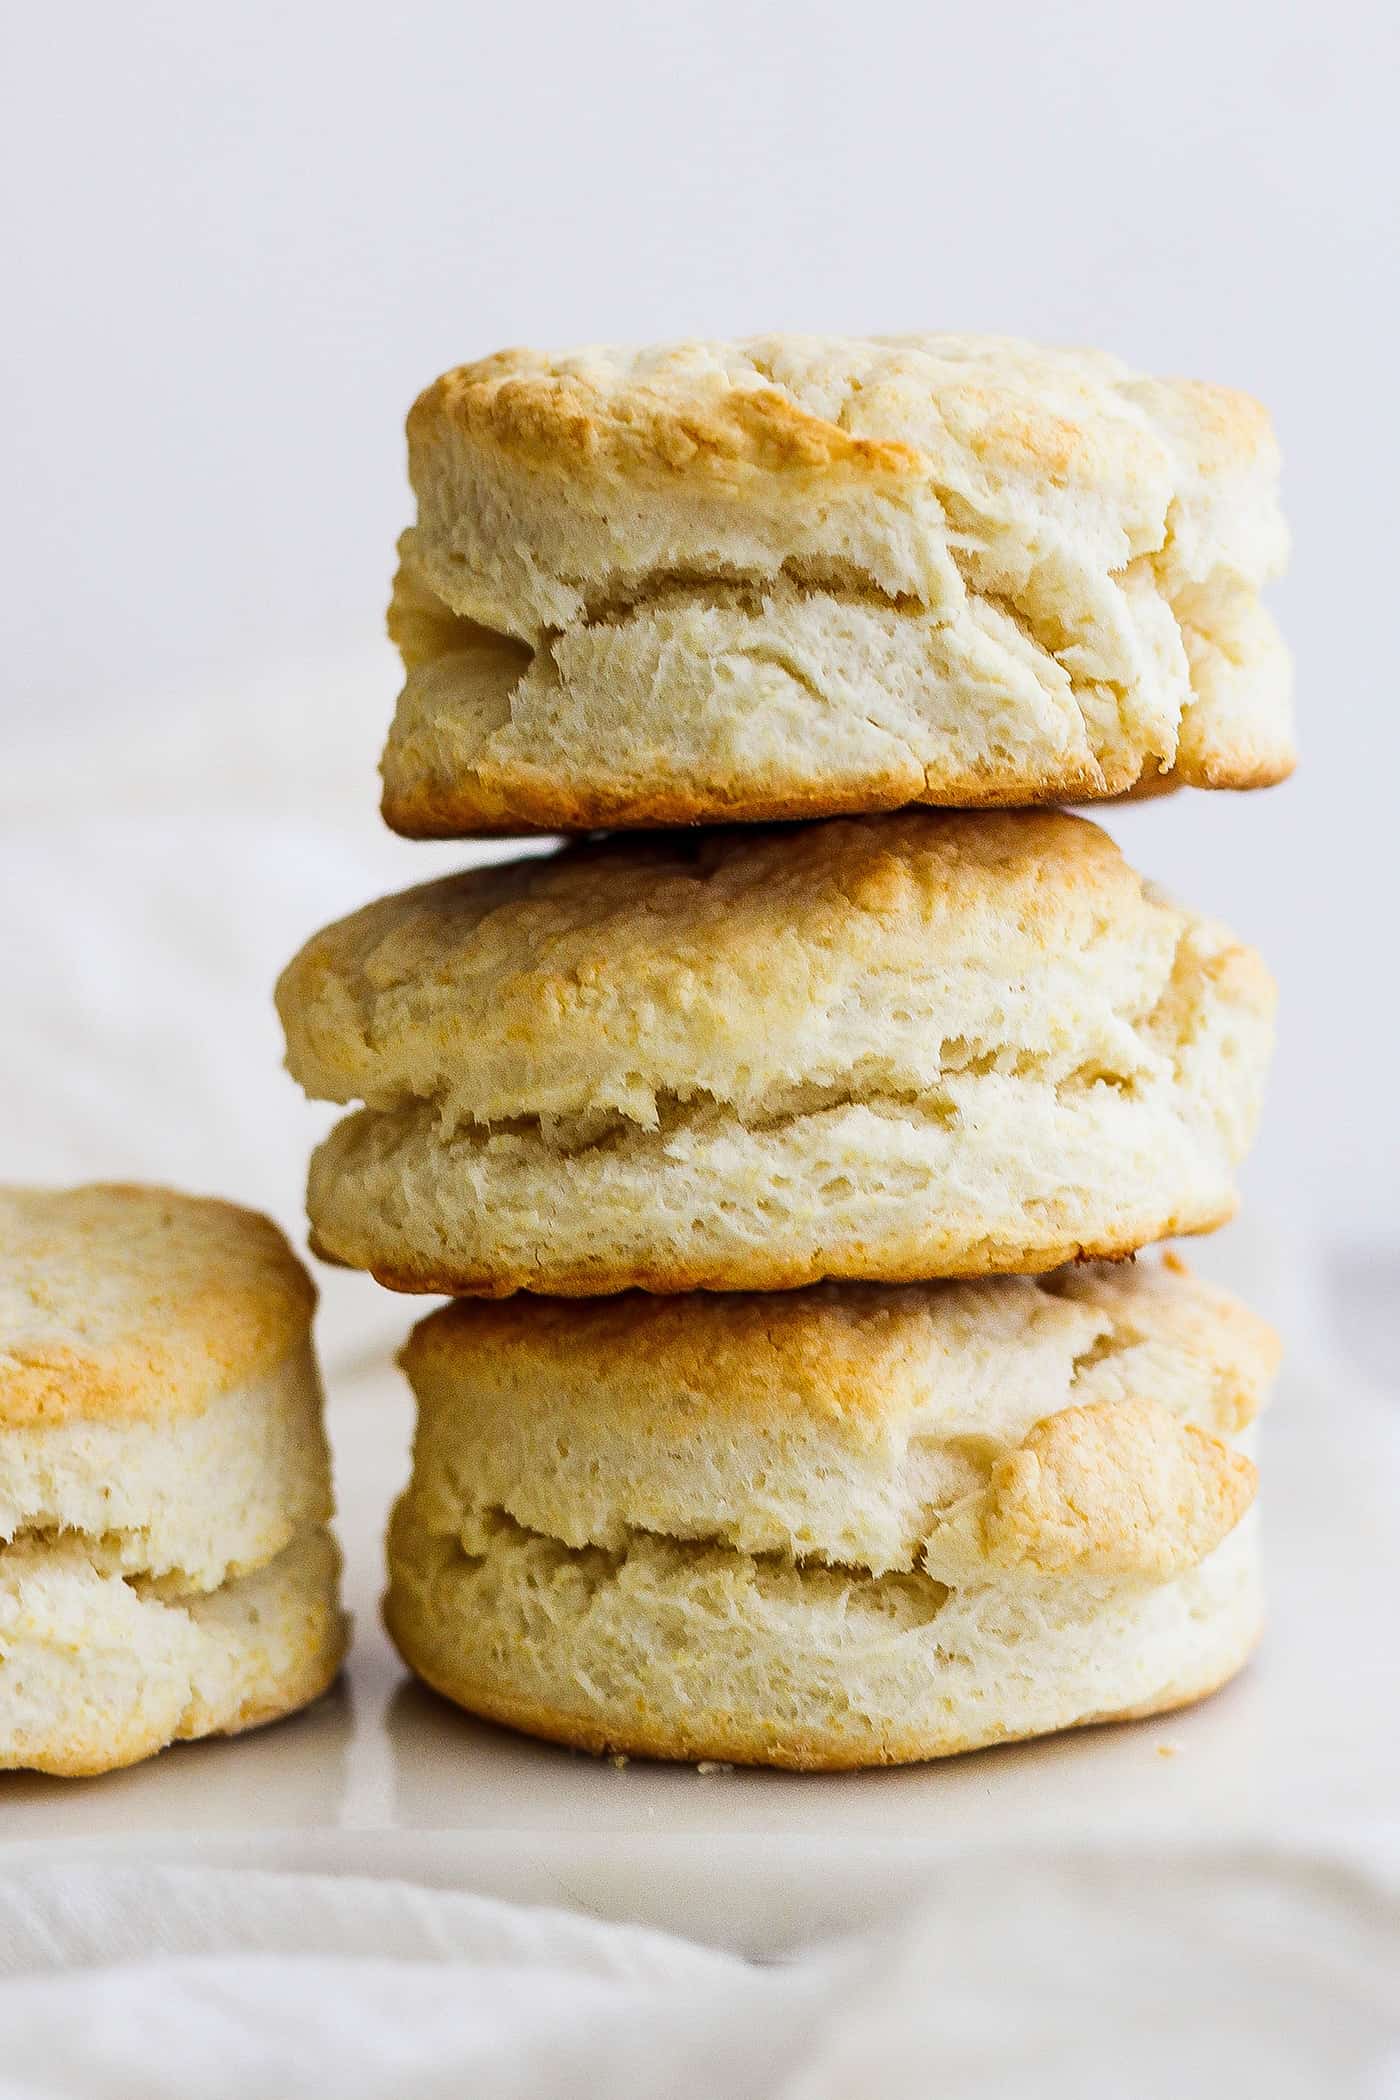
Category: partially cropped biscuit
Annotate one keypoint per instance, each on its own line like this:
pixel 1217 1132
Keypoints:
pixel 805 576
pixel 889 1048
pixel 166 1567
pixel 846 1526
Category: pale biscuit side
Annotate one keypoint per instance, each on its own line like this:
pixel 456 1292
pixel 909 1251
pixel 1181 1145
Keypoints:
pixel 674 1650
pixel 835 1421
pixel 100 1671
pixel 197 1499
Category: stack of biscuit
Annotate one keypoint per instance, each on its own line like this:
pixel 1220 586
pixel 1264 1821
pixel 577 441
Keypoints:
pixel 166 1567
pixel 801 1136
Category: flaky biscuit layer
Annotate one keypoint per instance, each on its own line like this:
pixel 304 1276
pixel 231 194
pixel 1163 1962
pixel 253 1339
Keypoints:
pixel 802 576
pixel 100 1671
pixel 845 1526
pixel 894 1048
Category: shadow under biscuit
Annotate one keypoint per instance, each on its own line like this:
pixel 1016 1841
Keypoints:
pixel 450 1767
pixel 286 1774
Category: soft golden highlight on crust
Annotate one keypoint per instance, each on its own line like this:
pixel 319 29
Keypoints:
pixel 1115 1490
pixel 121 1301
pixel 514 402
pixel 696 408
pixel 852 1356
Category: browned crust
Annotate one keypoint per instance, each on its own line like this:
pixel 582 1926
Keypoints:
pixel 464 809
pixel 513 403
pixel 301 1691
pixel 776 1272
pixel 1115 1488
pixel 735 1744
pixel 833 1353
pixel 213 1296
pixel 668 423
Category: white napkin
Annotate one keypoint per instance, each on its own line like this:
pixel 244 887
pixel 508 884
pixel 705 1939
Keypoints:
pixel 1151 1975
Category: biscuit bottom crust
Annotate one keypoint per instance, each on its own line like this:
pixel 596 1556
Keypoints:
pixel 97 1672
pixel 684 1650
pixel 521 806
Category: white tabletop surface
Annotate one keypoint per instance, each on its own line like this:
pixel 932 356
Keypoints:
pixel 1306 1740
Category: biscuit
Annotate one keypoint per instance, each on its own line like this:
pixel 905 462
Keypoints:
pixel 849 1525
pixel 166 1570
pixel 803 576
pixel 887 1048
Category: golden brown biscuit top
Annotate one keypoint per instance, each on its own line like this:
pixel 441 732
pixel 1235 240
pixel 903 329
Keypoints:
pixel 1077 1424
pixel 123 1302
pixel 608 980
pixel 856 1357
pixel 876 409
pixel 692 899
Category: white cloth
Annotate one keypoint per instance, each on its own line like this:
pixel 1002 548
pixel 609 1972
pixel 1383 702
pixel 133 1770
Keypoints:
pixel 1155 1976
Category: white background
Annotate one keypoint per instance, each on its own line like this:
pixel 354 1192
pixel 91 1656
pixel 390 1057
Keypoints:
pixel 241 238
